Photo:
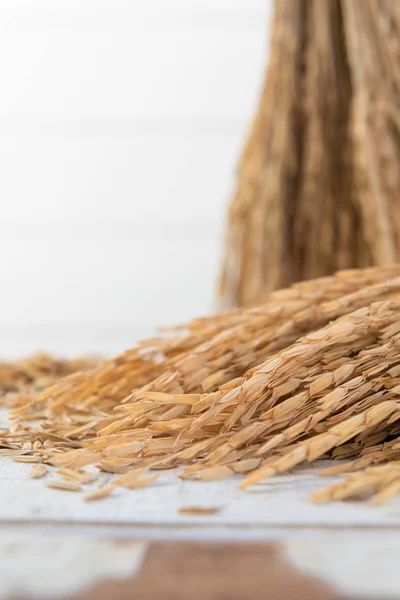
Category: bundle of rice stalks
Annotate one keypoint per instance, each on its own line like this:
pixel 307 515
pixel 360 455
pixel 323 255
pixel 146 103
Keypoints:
pixel 313 373
pixel 372 31
pixel 214 350
pixel 318 181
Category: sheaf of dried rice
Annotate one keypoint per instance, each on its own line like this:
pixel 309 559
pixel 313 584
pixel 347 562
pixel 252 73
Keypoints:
pixel 256 392
pixel 216 349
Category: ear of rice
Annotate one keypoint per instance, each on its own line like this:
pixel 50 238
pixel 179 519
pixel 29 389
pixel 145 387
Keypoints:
pixel 314 374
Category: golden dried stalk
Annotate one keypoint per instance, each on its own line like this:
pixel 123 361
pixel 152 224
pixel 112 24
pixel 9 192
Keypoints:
pixel 323 230
pixel 372 33
pixel 268 173
pixel 317 186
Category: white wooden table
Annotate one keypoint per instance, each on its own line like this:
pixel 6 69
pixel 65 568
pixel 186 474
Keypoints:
pixel 265 543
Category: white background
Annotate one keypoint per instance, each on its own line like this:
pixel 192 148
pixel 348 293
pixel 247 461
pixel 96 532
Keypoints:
pixel 121 124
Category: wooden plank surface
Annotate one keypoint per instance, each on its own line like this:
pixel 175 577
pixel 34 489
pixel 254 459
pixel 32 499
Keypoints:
pixel 79 568
pixel 174 570
pixel 268 543
pixel 82 564
pixel 279 502
pixel 197 571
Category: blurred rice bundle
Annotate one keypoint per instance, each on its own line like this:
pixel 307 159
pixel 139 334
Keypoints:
pixel 318 183
pixel 31 375
pixel 313 373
